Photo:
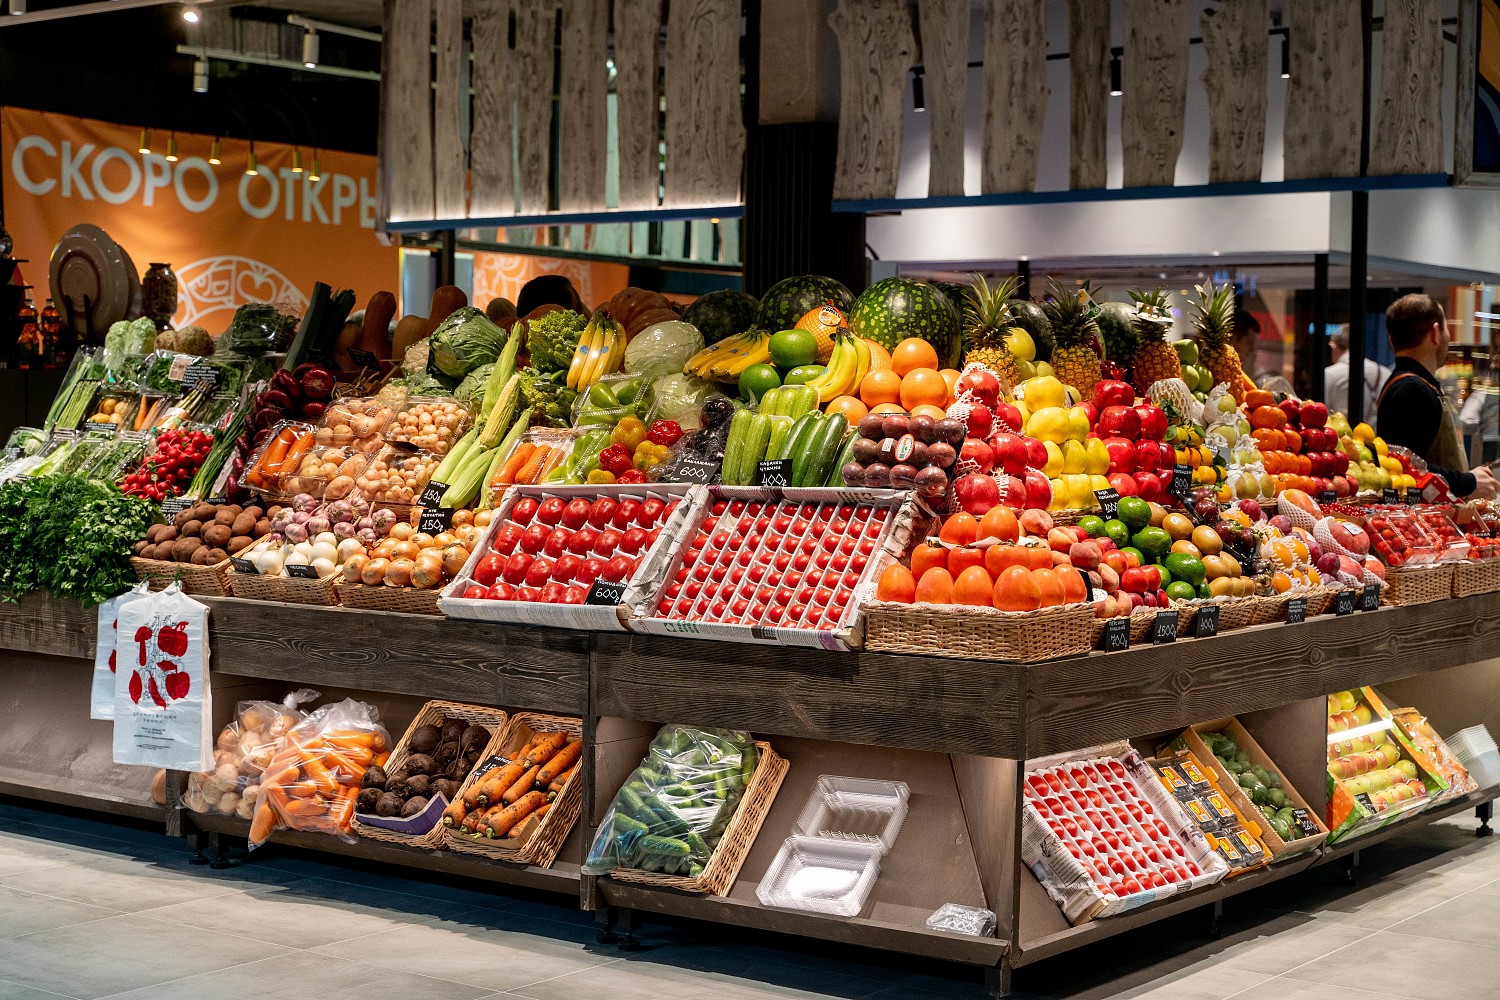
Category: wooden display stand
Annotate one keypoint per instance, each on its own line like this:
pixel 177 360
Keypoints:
pixel 956 731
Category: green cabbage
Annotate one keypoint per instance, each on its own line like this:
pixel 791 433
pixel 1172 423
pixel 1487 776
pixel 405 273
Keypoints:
pixel 663 348
pixel 470 391
pixel 125 339
pixel 463 342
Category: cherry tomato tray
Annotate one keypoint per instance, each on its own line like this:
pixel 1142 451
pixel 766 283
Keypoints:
pixel 1103 836
pixel 607 561
pixel 789 567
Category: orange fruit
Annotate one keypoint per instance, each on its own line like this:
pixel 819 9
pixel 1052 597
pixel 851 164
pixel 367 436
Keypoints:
pixel 962 558
pixel 960 529
pixel 1255 398
pixel 925 557
pixel 880 358
pixel 975 587
pixel 999 558
pixel 880 387
pixel 896 584
pixel 887 408
pixel 1017 590
pixel 999 522
pixel 950 375
pixel 1281 583
pixel 935 587
pixel 1293 440
pixel 911 354
pixel 849 406
pixel 1049 586
pixel 1038 557
pixel 927 410
pixel 923 385
pixel 1075 589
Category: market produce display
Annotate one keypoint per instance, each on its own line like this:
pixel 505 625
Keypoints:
pixel 1225 828
pixel 1375 775
pixel 207 534
pixel 438 757
pixel 510 789
pixel 242 752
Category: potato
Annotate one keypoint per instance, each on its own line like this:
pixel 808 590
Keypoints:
pixel 200 556
pixel 244 524
pixel 224 516
pixel 238 544
pixel 142 546
pixel 152 532
pixel 163 550
pixel 192 529
pixel 181 517
pixel 217 535
pixel 183 549
pixel 216 556
pixel 204 512
pixel 262 528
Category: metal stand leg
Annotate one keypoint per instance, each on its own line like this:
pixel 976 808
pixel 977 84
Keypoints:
pixel 218 859
pixel 997 980
pixel 632 922
pixel 195 841
pixel 1485 812
pixel 604 920
pixel 1215 914
pixel 1351 869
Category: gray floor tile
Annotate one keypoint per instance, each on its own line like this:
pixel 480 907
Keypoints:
pixel 122 884
pixel 121 953
pixel 1392 900
pixel 1291 989
pixel 694 973
pixel 1205 982
pixel 482 948
pixel 25 854
pixel 1437 970
pixel 1470 917
pixel 1278 945
pixel 309 977
pixel 15 991
pixel 24 912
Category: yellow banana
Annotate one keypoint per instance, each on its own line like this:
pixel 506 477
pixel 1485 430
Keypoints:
pixel 862 364
pixel 581 354
pixel 616 353
pixel 839 374
pixel 752 355
pixel 610 345
pixel 704 363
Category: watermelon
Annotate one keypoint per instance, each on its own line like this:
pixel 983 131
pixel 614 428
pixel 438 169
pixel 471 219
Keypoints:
pixel 1029 316
pixel 894 309
pixel 722 314
pixel 790 299
pixel 1117 326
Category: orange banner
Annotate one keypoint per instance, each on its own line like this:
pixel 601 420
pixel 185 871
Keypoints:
pixel 503 275
pixel 231 237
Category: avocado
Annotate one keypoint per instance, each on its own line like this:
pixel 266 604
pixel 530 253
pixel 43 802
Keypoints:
pixel 1276 798
pixel 1282 828
pixel 1249 781
pixel 1273 779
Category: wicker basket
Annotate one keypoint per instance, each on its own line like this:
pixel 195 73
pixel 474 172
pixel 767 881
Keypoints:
pixel 1320 600
pixel 739 836
pixel 1270 609
pixel 1141 620
pixel 491 718
pixel 978 633
pixel 1418 584
pixel 1470 578
pixel 1234 612
pixel 407 600
pixel 210 581
pixel 286 589
pixel 538 842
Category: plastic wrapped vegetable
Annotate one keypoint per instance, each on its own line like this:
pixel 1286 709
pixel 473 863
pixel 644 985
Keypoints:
pixel 583 459
pixel 313 782
pixel 257 328
pixel 680 397
pixel 550 400
pixel 124 339
pixel 663 348
pixel 670 813
pixel 244 748
pixel 463 342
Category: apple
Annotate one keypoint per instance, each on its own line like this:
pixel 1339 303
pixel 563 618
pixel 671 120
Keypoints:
pixel 1251 509
pixel 1149 487
pixel 1120 422
pixel 1012 491
pixel 1007 416
pixel 976 493
pixel 1036 453
pixel 978 452
pixel 977 418
pixel 1124 484
pixel 978 384
pixel 1151 455
pixel 1124 454
pixel 1010 452
pixel 1038 490
pixel 1153 421
pixel 1133 581
pixel 1110 392
pixel 1293 410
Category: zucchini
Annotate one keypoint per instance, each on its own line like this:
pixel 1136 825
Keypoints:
pixel 822 449
pixel 794 437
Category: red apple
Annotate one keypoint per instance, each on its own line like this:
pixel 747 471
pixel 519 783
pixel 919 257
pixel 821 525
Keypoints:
pixel 1089 410
pixel 1007 417
pixel 1134 581
pixel 1148 487
pixel 1120 422
pixel 1293 410
pixel 978 384
pixel 1153 421
pixel 1010 453
pixel 1124 484
pixel 976 493
pixel 1013 491
pixel 1038 490
pixel 1036 453
pixel 1124 455
pixel 978 452
pixel 1110 392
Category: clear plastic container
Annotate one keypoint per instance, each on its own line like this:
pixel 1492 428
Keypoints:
pixel 1452 544
pixel 326 472
pixel 355 423
pixel 857 810
pixel 431 423
pixel 821 876
pixel 1399 540
pixel 396 476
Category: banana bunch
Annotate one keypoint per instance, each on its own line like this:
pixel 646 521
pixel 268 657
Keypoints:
pixel 726 360
pixel 601 348
pixel 847 367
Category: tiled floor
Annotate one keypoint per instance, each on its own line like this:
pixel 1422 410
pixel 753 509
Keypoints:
pixel 90 909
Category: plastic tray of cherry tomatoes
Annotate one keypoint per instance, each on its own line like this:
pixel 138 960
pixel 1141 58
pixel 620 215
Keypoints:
pixel 787 567
pixel 569 556
pixel 1103 836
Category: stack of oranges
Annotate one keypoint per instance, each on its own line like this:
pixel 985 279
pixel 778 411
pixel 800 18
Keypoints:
pixel 905 380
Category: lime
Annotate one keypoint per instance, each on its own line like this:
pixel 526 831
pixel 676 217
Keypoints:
pixel 757 380
pixel 1185 567
pixel 802 375
pixel 1152 541
pixel 1116 531
pixel 1166 576
pixel 793 348
pixel 1092 525
pixel 1179 591
pixel 1135 512
pixel 1205 591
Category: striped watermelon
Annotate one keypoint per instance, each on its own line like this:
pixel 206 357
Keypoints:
pixel 790 299
pixel 1030 317
pixel 894 309
pixel 721 314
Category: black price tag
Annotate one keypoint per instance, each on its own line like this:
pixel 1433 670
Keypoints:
pixel 432 495
pixel 1116 635
pixel 1343 603
pixel 1164 628
pixel 1327 496
pixel 1369 598
pixel 435 520
pixel 1109 501
pixel 1389 495
pixel 243 565
pixel 202 375
pixel 363 359
pixel 1296 610
pixel 301 572
pixel 603 593
pixel 777 473
pixel 696 470
pixel 1206 622
pixel 175 505
pixel 1182 481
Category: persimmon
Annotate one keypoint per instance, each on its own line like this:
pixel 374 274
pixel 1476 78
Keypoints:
pixel 974 587
pixel 896 584
pixel 935 587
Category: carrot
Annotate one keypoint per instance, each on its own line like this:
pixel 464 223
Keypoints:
pixel 354 739
pixel 301 789
pixel 544 749
pixel 529 472
pixel 544 810
pixel 499 824
pixel 470 823
pixel 270 458
pixel 454 814
pixel 263 822
pixel 553 461
pixel 490 787
pixel 520 787
pixel 293 456
pixel 381 758
pixel 298 808
pixel 561 781
pixel 507 473
pixel 560 762
pixel 318 775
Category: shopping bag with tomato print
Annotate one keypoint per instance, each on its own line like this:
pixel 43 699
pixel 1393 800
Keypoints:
pixel 162 707
pixel 102 700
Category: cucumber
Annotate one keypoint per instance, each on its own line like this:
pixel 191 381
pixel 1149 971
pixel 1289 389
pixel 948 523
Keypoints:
pixel 846 455
pixel 667 847
pixel 624 824
pixel 804 447
pixel 800 430
pixel 698 844
pixel 739 425
pixel 799 400
pixel 773 401
pixel 632 801
pixel 753 449
pixel 818 452
pixel 781 427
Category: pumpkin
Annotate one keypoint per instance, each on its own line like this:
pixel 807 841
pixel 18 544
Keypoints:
pixel 636 309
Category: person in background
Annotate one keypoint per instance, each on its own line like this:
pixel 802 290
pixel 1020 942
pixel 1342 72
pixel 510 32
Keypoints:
pixel 1336 378
pixel 1245 339
pixel 549 289
pixel 1414 411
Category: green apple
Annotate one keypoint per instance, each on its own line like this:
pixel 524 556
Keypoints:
pixel 1187 351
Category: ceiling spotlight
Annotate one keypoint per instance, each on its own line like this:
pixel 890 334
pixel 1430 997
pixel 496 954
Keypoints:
pixel 918 99
pixel 316 174
pixel 145 146
pixel 190 13
pixel 213 153
pixel 250 165
pixel 200 76
pixel 172 148
pixel 296 159
pixel 310 49
pixel 1116 75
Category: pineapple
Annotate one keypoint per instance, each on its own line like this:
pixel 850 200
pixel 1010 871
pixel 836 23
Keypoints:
pixel 987 324
pixel 1155 359
pixel 1075 359
pixel 1214 320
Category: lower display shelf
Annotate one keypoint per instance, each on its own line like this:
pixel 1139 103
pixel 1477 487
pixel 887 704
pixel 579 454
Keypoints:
pixel 562 877
pixel 77 794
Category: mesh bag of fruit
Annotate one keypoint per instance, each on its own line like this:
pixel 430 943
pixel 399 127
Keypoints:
pixel 669 815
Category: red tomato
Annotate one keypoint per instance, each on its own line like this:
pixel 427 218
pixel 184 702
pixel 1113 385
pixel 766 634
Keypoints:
pixel 502 592
pixel 523 510
pixel 576 595
pixel 625 513
pixel 475 593
pixel 618 569
pixel 507 538
pixel 650 511
pixel 633 541
pixel 516 567
pixel 607 542
pixel 553 593
pixel 576 514
pixel 589 572
pixel 602 512
pixel 539 572
pixel 551 510
pixel 488 570
pixel 557 542
pixel 534 538
pixel 582 542
pixel 527 594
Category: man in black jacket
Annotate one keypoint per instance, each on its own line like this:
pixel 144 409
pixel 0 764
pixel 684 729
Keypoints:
pixel 1414 412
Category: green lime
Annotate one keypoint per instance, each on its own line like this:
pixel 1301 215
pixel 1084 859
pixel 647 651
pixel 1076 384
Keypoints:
pixel 1185 567
pixel 802 374
pixel 1135 512
pixel 757 380
pixel 793 348
pixel 1179 591
pixel 1166 576
pixel 1116 531
pixel 1092 525
pixel 1152 541
pixel 1205 591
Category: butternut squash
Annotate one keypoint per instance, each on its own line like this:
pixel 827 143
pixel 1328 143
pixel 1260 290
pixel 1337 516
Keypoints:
pixel 446 300
pixel 408 332
pixel 348 337
pixel 375 336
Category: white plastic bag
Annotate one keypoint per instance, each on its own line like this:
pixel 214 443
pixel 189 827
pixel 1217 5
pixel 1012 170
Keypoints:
pixel 102 700
pixel 162 706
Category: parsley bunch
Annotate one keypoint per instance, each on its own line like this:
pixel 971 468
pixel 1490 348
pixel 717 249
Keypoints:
pixel 69 535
